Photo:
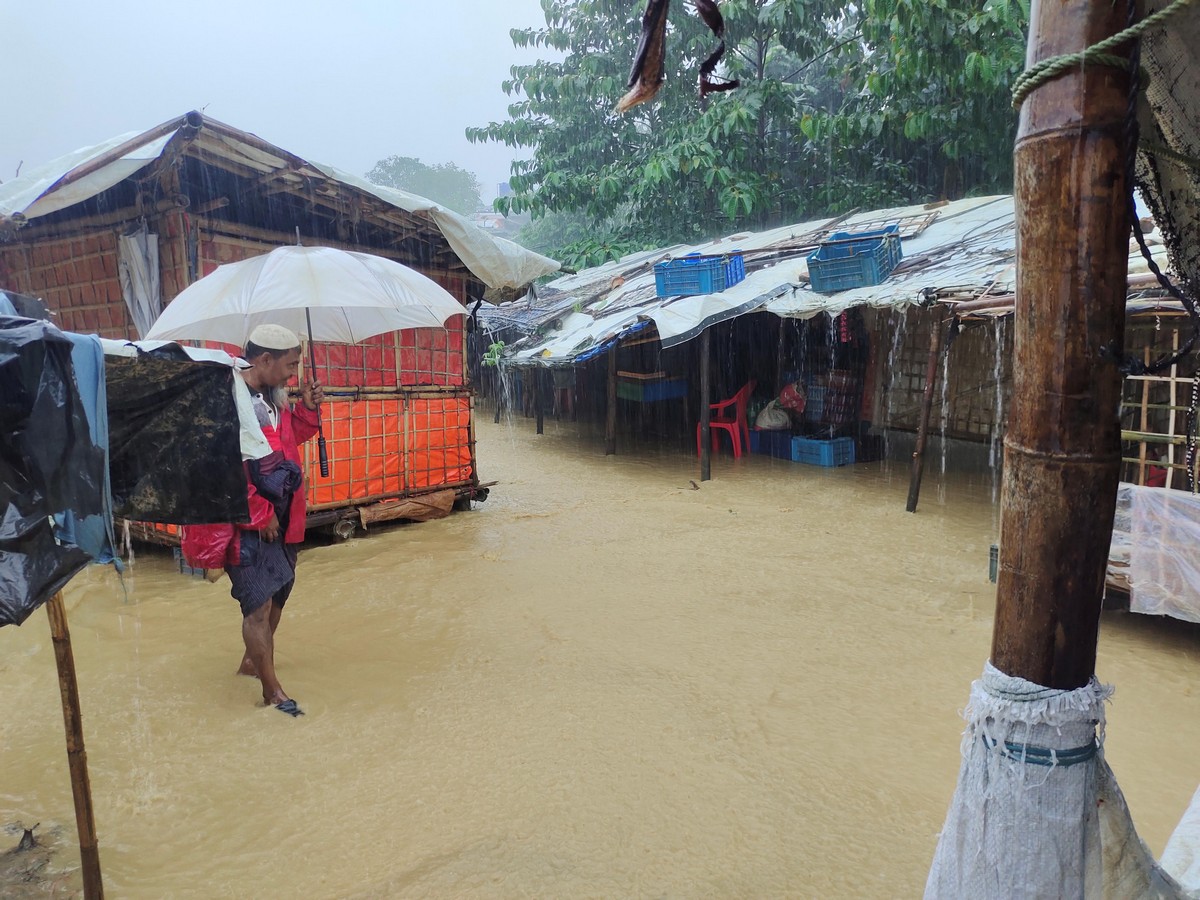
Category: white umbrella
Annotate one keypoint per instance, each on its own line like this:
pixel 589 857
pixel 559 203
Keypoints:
pixel 346 296
pixel 330 295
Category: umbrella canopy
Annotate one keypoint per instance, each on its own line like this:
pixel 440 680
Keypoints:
pixel 349 296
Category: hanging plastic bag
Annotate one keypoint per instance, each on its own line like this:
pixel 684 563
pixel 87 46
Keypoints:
pixel 794 397
pixel 772 418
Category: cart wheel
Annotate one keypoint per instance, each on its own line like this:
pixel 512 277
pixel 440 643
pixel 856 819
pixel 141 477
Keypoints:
pixel 344 529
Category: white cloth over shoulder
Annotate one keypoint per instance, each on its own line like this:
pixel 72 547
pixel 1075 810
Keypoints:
pixel 1037 812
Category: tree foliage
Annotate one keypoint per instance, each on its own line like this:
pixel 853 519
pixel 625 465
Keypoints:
pixel 865 105
pixel 443 183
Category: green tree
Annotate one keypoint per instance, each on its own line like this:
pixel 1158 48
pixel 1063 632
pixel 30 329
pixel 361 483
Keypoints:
pixel 674 169
pixel 826 118
pixel 932 84
pixel 443 183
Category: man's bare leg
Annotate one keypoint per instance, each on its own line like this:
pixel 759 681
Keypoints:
pixel 260 650
pixel 247 666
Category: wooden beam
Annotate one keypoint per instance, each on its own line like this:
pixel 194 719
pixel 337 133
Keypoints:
pixel 1062 446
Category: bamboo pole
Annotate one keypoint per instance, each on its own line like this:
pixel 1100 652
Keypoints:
pixel 81 788
pixel 705 411
pixel 539 398
pixel 918 458
pixel 610 421
pixel 1062 450
pixel 1144 421
pixel 1171 414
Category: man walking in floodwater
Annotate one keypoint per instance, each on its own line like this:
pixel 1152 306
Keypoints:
pixel 261 557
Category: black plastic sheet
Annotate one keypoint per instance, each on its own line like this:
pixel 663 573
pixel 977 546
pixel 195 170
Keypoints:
pixel 48 464
pixel 174 440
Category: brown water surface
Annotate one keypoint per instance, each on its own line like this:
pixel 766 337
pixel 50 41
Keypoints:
pixel 600 683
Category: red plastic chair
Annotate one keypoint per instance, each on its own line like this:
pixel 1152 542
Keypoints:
pixel 730 416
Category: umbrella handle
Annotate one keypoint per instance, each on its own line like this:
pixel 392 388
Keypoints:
pixel 312 368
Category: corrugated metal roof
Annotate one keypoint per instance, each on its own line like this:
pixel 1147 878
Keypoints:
pixel 960 251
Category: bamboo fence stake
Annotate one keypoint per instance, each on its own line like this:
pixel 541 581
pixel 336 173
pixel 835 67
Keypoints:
pixel 539 397
pixel 81 788
pixel 918 457
pixel 610 419
pixel 1062 450
pixel 1145 420
pixel 705 412
pixel 1171 414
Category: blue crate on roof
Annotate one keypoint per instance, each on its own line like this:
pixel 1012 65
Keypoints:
pixel 696 274
pixel 854 259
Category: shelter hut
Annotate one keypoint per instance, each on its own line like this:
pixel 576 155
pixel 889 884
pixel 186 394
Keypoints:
pixel 108 235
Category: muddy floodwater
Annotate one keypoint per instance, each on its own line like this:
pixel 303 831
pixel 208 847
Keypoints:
pixel 602 682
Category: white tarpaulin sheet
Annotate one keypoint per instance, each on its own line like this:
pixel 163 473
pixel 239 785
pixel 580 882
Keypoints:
pixel 1158 531
pixel 497 263
pixel 28 195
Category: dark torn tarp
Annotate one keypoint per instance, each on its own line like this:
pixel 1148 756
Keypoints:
pixel 48 464
pixel 174 446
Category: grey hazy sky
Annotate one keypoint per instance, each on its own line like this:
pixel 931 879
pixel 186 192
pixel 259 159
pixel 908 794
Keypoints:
pixel 344 82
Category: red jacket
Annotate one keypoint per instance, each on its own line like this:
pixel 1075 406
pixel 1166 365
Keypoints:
pixel 213 546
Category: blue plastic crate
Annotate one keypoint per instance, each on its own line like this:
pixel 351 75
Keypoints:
pixel 696 274
pixel 771 443
pixel 850 260
pixel 835 452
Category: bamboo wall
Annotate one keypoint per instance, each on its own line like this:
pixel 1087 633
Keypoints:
pixel 1155 408
pixel 972 402
pixel 76 277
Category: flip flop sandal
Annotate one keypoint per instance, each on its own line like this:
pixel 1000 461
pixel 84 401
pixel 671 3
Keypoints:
pixel 289 707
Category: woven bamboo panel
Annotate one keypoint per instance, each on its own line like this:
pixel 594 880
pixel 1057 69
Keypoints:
pixel 77 279
pixel 390 447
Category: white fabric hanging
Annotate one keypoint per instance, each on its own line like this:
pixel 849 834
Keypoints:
pixel 1037 812
pixel 140 282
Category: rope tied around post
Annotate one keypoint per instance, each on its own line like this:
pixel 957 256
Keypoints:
pixel 1098 54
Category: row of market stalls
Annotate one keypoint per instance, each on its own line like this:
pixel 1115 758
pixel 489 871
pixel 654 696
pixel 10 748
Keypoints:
pixel 919 360
pixel 108 235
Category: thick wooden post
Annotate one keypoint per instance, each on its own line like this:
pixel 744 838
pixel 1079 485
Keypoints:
pixel 705 412
pixel 610 422
pixel 918 457
pixel 81 788
pixel 539 397
pixel 1062 447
